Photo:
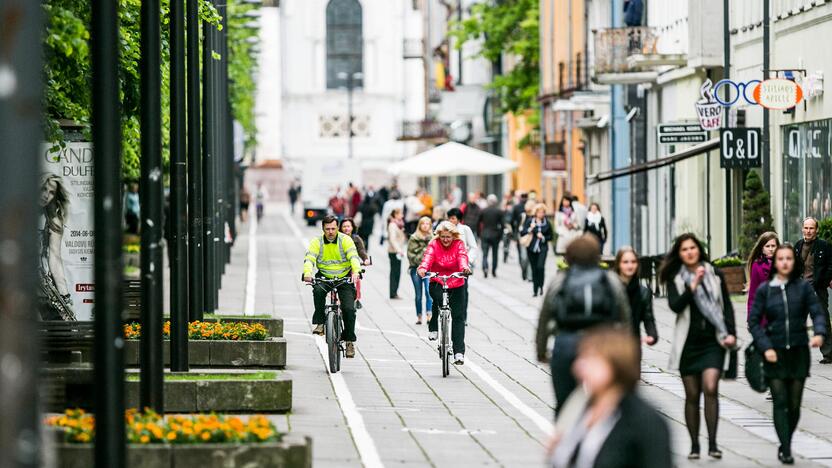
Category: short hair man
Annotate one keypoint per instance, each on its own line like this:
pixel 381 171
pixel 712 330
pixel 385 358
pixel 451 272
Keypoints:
pixel 814 258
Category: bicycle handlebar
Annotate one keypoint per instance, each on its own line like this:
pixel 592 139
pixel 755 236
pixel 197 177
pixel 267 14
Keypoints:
pixel 459 274
pixel 330 281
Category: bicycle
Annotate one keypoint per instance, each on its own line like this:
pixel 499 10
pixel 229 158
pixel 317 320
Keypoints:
pixel 334 324
pixel 444 348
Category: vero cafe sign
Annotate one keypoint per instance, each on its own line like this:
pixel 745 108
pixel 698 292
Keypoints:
pixel 773 94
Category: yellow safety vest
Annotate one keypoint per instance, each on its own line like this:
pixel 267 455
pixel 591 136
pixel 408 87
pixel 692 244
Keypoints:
pixel 333 260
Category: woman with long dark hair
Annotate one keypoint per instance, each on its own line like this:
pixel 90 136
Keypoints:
pixel 784 302
pixel 640 296
pixel 759 263
pixel 347 226
pixel 416 246
pixel 697 293
pixel 541 232
pixel 54 298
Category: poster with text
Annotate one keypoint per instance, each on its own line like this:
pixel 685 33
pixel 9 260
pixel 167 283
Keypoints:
pixel 65 233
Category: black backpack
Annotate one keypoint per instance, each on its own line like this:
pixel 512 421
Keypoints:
pixel 585 299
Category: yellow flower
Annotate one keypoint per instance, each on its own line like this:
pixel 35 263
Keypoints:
pixel 206 435
pixel 83 437
pixel 171 435
pixel 144 439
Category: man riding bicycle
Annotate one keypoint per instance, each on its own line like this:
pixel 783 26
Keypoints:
pixel 445 255
pixel 335 256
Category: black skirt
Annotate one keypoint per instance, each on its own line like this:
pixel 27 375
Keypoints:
pixel 698 355
pixel 791 363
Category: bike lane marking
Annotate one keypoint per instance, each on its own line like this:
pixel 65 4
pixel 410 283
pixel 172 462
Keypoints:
pixel 251 274
pixel 363 441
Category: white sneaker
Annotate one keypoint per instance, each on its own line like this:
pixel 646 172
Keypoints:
pixel 433 335
pixel 459 359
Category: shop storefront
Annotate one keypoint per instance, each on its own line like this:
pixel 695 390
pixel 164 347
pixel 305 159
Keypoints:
pixel 807 174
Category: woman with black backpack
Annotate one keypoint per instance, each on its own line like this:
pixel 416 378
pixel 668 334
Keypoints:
pixel 784 302
pixel 705 328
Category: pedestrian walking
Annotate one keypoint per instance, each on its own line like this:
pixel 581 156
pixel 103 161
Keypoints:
pixel 814 257
pixel 697 293
pixel 540 230
pixel 132 208
pixel 396 250
pixel 758 265
pixel 415 251
pixel 245 201
pixel 567 225
pixel 519 213
pixel 607 424
pixel 471 213
pixel 260 200
pixel 596 224
pixel 294 192
pixel 491 222
pixel 785 301
pixel 466 235
pixel 347 227
pixel 509 233
pixel 353 200
pixel 639 296
pixel 337 204
pixel 368 208
pixel 570 309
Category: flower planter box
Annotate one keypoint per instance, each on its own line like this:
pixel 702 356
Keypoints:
pixel 221 353
pixel 292 451
pixel 273 325
pixel 221 396
pixel 734 278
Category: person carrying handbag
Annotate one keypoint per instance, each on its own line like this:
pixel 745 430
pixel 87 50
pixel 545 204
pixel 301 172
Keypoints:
pixel 784 302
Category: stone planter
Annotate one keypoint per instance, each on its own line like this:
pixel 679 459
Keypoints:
pixel 273 325
pixel 221 396
pixel 293 451
pixel 734 278
pixel 221 353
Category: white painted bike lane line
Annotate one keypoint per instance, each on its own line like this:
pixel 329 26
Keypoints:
pixel 363 441
pixel 251 274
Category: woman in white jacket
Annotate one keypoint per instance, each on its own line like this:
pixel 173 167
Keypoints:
pixel 567 225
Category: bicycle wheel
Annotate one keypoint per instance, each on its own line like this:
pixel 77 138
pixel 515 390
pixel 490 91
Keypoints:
pixel 445 348
pixel 332 337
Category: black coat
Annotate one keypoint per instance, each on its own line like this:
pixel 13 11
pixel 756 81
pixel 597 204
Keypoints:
pixel 641 309
pixel 822 260
pixel 678 301
pixel 785 328
pixel 491 221
pixel 600 232
pixel 545 229
pixel 471 217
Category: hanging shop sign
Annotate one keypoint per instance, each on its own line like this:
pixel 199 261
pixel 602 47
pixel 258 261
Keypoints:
pixel 675 133
pixel 708 109
pixel 778 94
pixel 739 148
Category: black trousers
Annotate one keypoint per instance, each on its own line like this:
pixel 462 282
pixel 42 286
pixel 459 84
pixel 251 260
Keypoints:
pixel 492 245
pixel 346 298
pixel 456 297
pixel 563 356
pixel 395 274
pixel 823 298
pixel 538 264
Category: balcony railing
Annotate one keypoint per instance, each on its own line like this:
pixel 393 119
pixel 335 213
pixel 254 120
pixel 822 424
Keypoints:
pixel 613 46
pixel 423 130
pixel 572 75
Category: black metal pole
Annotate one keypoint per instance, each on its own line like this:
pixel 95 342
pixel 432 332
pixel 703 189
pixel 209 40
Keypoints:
pixel 195 246
pixel 110 448
pixel 222 112
pixel 178 210
pixel 209 84
pixel 21 139
pixel 151 386
pixel 766 66
pixel 726 74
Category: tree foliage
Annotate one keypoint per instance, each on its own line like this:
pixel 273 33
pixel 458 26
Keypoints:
pixel 508 28
pixel 756 212
pixel 67 72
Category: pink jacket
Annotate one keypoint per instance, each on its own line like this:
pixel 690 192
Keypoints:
pixel 446 261
pixel 759 274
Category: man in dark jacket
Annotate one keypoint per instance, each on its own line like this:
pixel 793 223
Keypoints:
pixel 814 257
pixel 583 253
pixel 491 223
pixel 471 214
pixel 517 212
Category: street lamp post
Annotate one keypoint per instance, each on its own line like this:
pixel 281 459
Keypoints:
pixel 350 79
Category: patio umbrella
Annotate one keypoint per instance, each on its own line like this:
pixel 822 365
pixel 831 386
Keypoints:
pixel 451 159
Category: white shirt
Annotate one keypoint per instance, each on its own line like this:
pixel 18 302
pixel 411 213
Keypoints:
pixel 467 237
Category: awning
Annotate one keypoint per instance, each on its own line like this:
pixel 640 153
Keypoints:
pixel 452 159
pixel 656 163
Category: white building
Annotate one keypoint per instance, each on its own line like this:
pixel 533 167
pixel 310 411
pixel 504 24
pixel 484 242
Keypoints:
pixel 324 41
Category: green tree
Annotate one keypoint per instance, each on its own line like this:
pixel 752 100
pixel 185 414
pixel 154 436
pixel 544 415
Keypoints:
pixel 510 28
pixel 756 212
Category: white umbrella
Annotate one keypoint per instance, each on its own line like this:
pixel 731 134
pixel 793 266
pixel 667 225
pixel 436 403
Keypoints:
pixel 453 159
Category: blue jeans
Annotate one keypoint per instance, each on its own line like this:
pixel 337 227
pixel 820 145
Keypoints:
pixel 421 286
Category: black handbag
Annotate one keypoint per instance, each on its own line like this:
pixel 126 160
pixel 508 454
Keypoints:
pixel 754 370
pixel 732 368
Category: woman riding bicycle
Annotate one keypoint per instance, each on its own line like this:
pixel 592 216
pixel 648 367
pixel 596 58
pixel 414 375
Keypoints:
pixel 446 255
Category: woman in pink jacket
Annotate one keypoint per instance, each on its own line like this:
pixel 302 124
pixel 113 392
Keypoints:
pixel 446 255
pixel 758 266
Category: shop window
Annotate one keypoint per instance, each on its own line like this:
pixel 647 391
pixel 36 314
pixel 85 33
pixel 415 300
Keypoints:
pixel 344 42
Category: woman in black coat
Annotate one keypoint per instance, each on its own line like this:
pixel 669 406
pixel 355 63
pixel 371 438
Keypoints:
pixel 640 296
pixel 606 424
pixel 785 301
pixel 541 230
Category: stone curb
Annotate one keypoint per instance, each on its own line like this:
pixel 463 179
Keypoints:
pixel 220 353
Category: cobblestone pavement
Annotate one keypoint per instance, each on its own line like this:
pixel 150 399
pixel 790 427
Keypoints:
pixel 390 405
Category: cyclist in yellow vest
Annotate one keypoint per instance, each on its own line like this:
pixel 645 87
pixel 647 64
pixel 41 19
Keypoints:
pixel 334 256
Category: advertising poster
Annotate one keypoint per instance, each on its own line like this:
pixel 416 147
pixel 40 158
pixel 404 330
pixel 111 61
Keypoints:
pixel 65 231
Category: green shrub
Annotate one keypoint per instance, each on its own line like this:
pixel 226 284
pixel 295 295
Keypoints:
pixel 728 262
pixel 756 213
pixel 825 229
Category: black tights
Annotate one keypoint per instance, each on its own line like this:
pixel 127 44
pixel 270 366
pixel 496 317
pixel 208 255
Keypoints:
pixel 706 383
pixel 787 395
